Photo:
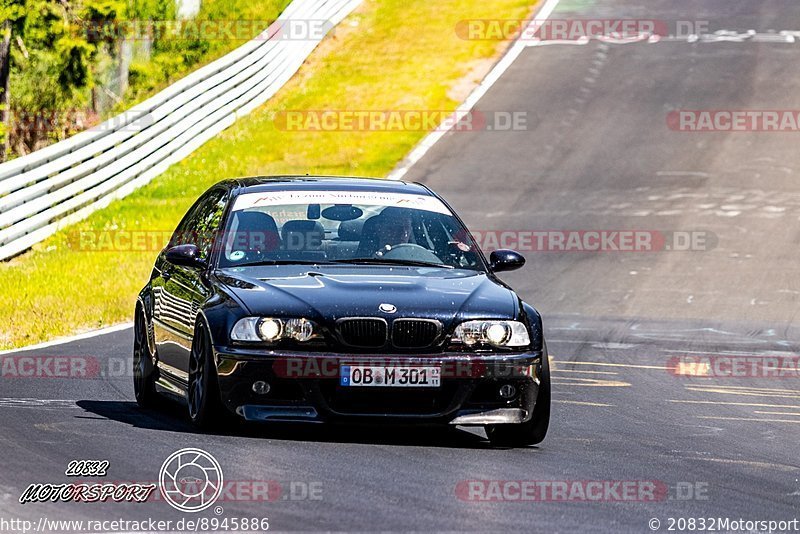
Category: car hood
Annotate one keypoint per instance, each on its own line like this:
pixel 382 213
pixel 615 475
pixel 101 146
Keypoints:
pixel 327 293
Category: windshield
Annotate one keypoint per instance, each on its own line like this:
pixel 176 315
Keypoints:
pixel 345 227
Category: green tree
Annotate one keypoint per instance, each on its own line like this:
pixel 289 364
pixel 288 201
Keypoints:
pixel 11 12
pixel 47 71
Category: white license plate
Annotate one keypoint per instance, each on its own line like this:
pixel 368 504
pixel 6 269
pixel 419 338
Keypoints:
pixel 390 376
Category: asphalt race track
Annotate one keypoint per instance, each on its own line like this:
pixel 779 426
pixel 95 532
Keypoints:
pixel 597 153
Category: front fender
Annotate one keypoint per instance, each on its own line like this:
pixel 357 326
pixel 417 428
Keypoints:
pixel 534 320
pixel 221 312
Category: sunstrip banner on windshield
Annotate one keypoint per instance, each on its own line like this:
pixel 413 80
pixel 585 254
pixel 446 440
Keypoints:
pixel 371 198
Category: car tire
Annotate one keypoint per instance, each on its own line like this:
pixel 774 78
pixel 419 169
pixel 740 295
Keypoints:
pixel 145 373
pixel 205 407
pixel 531 432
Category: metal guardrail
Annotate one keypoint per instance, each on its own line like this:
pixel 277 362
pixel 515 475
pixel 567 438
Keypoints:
pixel 63 183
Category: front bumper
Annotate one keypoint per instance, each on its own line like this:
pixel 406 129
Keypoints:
pixel 305 386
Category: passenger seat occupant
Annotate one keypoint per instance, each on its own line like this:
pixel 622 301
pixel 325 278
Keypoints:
pixel 255 232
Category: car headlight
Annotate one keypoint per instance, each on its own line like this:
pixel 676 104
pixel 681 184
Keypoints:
pixel 492 332
pixel 270 329
pixel 273 329
pixel 299 329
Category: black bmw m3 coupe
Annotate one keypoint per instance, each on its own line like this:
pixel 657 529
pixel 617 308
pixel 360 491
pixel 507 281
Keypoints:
pixel 339 299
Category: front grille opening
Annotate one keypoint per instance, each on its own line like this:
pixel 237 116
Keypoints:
pixel 415 333
pixel 363 332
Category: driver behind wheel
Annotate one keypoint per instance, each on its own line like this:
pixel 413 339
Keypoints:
pixel 395 228
pixel 391 227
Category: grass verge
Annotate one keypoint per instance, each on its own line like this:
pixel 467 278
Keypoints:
pixel 389 54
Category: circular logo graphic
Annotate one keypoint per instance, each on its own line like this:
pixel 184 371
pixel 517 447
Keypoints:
pixel 387 308
pixel 190 480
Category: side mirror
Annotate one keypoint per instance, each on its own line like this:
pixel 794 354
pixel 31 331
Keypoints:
pixel 185 256
pixel 506 260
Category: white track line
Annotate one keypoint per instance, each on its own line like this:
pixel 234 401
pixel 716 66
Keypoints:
pixel 70 339
pixel 500 67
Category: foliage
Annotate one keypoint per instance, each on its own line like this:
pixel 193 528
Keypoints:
pixel 62 48
pixel 52 64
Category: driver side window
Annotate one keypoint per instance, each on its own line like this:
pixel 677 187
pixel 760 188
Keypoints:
pixel 202 222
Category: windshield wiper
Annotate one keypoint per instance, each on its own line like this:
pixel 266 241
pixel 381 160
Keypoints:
pixel 389 261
